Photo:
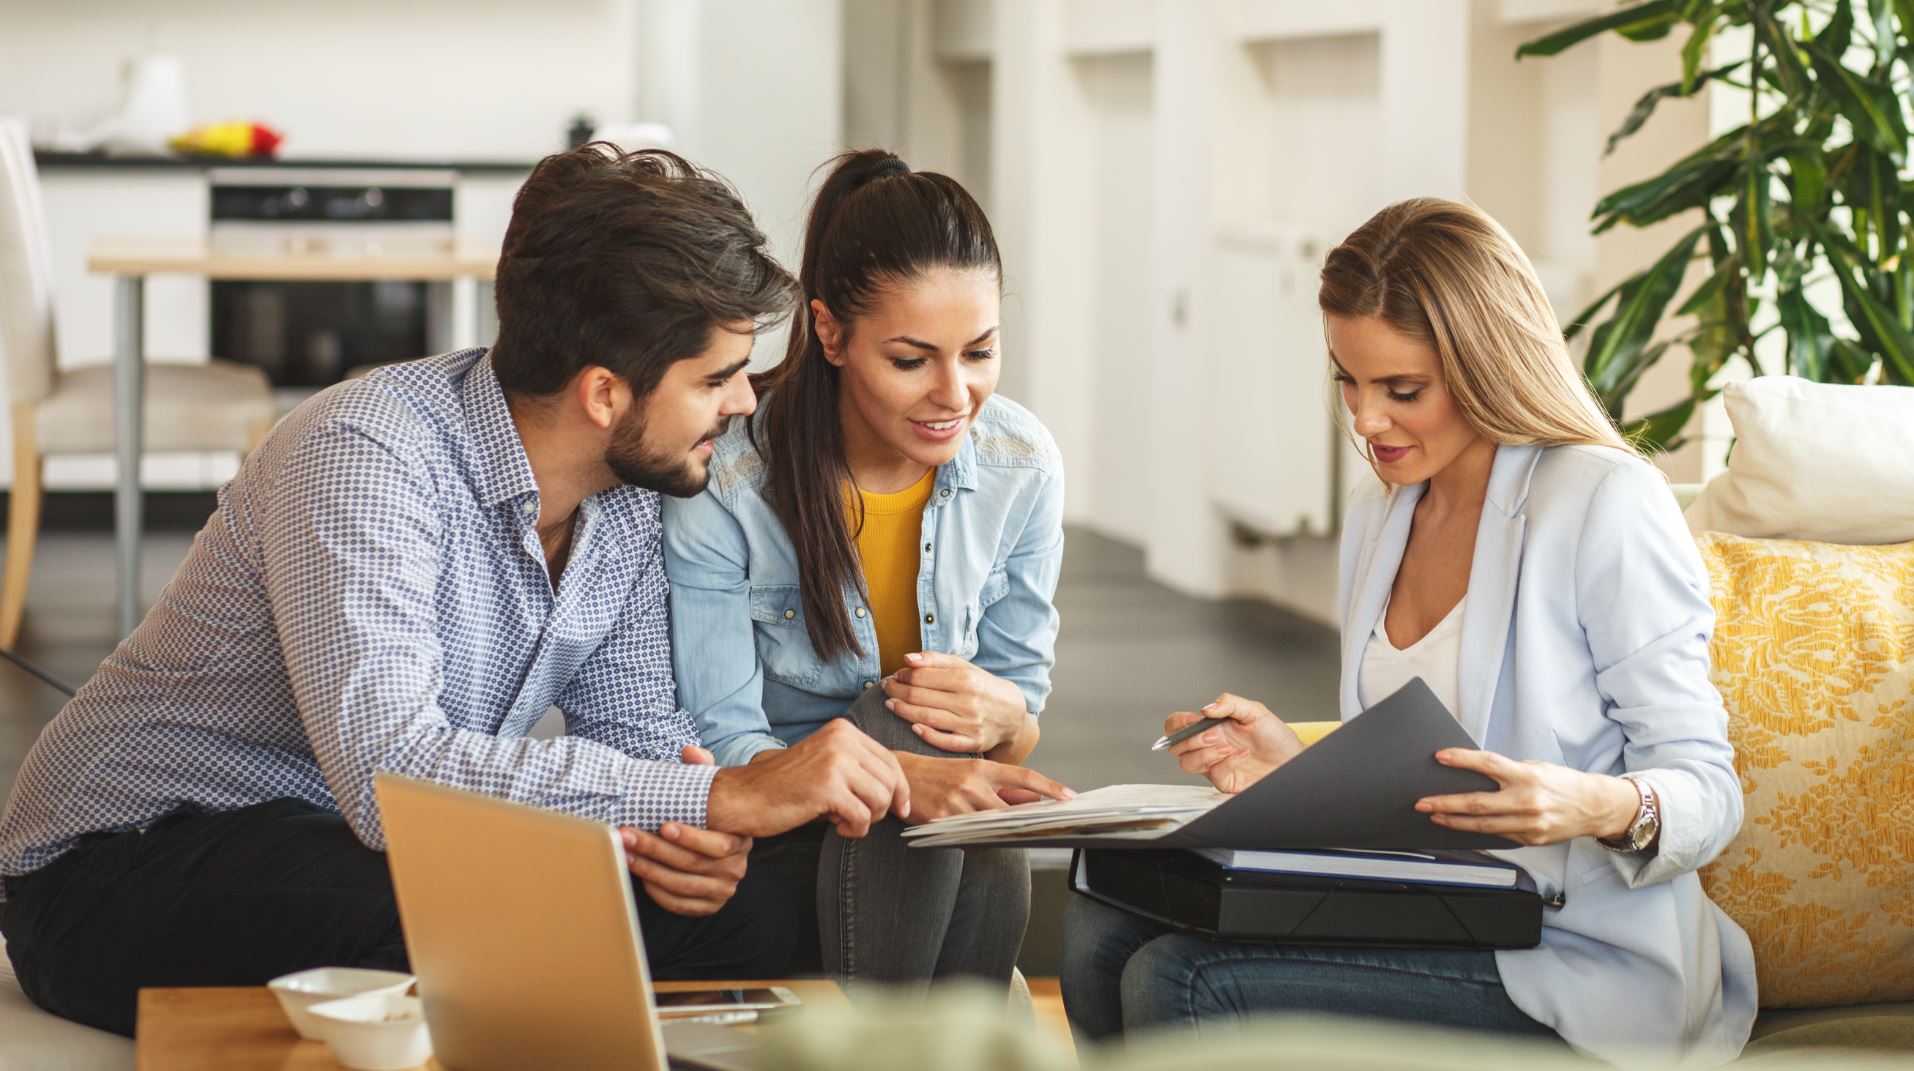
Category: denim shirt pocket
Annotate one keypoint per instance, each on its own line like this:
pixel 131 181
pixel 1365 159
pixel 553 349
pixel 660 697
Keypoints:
pixel 996 586
pixel 784 646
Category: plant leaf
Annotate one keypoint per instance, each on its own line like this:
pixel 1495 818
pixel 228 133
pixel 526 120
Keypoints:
pixel 1756 228
pixel 1619 343
pixel 1836 35
pixel 1582 318
pixel 1872 107
pixel 1810 337
pixel 1711 288
pixel 1642 22
pixel 1791 72
pixel 1883 19
pixel 1808 182
pixel 1689 184
pixel 1660 431
pixel 1871 188
pixel 1850 363
pixel 1645 107
pixel 1880 331
pixel 1695 48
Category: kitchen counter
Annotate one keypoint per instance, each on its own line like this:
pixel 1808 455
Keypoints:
pixel 50 161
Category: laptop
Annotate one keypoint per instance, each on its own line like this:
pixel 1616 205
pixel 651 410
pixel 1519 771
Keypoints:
pixel 524 936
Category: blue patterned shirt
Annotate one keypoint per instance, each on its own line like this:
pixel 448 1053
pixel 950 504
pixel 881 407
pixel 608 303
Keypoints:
pixel 371 595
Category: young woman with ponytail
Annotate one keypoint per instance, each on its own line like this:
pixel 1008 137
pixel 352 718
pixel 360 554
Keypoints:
pixel 881 542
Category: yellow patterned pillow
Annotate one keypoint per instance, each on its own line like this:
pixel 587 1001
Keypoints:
pixel 1814 655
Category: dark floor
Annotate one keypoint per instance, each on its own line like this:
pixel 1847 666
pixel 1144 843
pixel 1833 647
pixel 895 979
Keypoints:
pixel 1131 651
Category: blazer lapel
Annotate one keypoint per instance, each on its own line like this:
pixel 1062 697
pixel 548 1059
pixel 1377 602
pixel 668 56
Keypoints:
pixel 1382 556
pixel 1494 571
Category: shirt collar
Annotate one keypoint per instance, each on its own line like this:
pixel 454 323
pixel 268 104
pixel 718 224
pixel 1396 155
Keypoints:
pixel 961 471
pixel 501 470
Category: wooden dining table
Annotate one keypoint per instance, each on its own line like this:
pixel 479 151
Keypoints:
pixel 131 260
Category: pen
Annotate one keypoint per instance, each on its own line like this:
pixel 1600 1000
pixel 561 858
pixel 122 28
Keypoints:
pixel 1186 732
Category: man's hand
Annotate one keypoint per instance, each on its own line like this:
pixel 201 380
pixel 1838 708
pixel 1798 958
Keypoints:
pixel 943 787
pixel 686 870
pixel 1241 751
pixel 953 705
pixel 836 773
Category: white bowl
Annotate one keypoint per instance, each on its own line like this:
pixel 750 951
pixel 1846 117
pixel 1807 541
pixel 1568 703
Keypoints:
pixel 375 1031
pixel 299 992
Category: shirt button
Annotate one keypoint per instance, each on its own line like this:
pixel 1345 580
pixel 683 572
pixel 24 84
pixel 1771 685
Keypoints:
pixel 927 548
pixel 860 611
pixel 789 614
pixel 529 508
pixel 870 684
pixel 930 619
pixel 945 493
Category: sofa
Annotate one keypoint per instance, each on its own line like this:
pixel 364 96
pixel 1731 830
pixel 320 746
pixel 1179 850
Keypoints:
pixel 32 1040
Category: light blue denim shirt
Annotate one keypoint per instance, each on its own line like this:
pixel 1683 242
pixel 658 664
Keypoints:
pixel 992 549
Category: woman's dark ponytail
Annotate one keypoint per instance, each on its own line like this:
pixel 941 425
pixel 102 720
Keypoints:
pixel 875 223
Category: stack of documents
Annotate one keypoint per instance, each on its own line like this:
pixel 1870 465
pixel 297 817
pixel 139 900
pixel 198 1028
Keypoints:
pixel 1357 788
pixel 1429 868
pixel 1116 812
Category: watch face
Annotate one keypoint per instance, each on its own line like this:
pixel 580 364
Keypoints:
pixel 1645 828
pixel 1642 835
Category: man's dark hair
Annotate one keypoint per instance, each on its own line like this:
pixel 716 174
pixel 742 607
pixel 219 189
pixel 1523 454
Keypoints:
pixel 627 261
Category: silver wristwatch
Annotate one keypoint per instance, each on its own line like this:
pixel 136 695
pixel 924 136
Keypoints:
pixel 1642 832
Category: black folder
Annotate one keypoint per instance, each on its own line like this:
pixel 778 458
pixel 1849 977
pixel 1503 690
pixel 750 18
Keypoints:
pixel 1355 788
pixel 1191 893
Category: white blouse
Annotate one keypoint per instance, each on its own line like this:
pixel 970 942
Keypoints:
pixel 1436 658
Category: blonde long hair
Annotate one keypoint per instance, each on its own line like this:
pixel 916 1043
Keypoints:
pixel 1449 275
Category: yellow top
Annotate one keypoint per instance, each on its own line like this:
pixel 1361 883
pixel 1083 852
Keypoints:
pixel 888 546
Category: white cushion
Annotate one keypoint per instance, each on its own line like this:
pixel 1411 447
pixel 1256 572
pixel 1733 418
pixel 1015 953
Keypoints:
pixel 213 406
pixel 1819 461
pixel 32 1040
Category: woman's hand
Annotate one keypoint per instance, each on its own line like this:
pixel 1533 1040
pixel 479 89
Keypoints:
pixel 1538 802
pixel 943 787
pixel 1239 754
pixel 953 705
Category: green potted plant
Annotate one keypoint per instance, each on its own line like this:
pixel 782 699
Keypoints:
pixel 1810 191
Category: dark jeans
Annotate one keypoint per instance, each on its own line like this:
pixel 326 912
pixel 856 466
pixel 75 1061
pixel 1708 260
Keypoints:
pixel 899 916
pixel 1122 973
pixel 240 897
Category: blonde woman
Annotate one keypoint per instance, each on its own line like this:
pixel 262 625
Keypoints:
pixel 1526 562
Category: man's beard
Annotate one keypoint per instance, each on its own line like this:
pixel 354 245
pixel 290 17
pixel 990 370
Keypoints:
pixel 636 463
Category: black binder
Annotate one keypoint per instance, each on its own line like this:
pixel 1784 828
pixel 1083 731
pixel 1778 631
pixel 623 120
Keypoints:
pixel 1192 893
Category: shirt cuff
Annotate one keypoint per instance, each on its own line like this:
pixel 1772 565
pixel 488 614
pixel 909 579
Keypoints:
pixel 1678 843
pixel 740 750
pixel 666 792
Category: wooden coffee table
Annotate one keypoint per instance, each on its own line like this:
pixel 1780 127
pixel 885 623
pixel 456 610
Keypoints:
pixel 242 1028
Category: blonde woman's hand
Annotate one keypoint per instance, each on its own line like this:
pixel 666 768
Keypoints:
pixel 1239 753
pixel 1536 803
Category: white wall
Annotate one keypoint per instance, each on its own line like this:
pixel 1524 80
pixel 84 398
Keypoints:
pixel 1119 97
pixel 424 78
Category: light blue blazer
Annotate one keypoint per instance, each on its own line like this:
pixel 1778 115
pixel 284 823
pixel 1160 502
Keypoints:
pixel 1585 643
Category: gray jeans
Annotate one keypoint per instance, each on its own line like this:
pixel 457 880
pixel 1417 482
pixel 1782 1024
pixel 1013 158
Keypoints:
pixel 900 916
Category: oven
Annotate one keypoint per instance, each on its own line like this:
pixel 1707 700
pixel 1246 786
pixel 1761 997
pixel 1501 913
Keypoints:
pixel 308 335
